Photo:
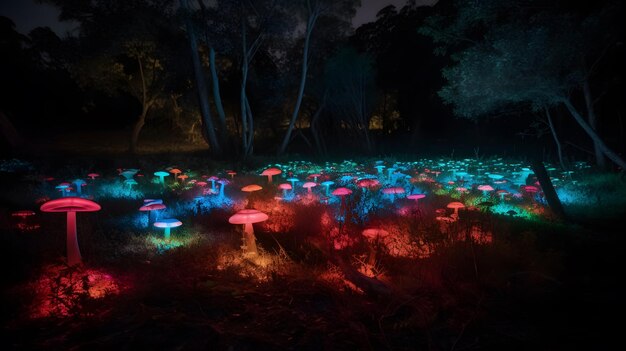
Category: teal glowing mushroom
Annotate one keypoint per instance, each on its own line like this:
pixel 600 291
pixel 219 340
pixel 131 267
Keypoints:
pixel 161 175
pixel 167 224
pixel 327 185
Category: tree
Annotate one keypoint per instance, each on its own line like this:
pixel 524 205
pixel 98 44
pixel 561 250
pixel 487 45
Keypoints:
pixel 203 93
pixel 349 78
pixel 313 9
pixel 533 60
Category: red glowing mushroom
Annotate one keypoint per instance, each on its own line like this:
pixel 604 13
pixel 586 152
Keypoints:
pixel 271 172
pixel 251 188
pixel 71 205
pixel 455 206
pixel 247 217
pixel 374 235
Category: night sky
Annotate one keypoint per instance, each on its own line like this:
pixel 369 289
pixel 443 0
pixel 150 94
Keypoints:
pixel 27 14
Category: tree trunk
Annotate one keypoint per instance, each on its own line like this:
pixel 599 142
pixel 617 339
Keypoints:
pixel 203 93
pixel 305 66
pixel 313 126
pixel 555 137
pixel 593 135
pixel 217 98
pixel 548 189
pixel 593 122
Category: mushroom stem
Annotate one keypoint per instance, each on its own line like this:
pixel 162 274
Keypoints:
pixel 372 256
pixel 73 251
pixel 167 233
pixel 249 240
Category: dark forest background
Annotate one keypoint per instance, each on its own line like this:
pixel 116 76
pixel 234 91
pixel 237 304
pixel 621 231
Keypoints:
pixel 520 77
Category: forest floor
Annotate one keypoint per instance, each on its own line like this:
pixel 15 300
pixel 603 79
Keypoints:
pixel 540 286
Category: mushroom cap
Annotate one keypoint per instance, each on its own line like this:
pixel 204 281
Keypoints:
pixel 341 192
pixel 271 172
pixel 455 205
pixel 161 174
pixel 373 233
pixel 70 204
pixel 175 171
pixel 213 178
pixel 367 182
pixel 328 183
pixel 314 175
pixel 93 175
pixel 394 190
pixel 250 188
pixel 485 187
pixel 284 186
pixel 309 185
pixel 248 216
pixel 152 201
pixel 130 181
pixel 293 179
pixel 416 196
pixel 79 182
pixel 495 176
pixel 168 223
pixel 201 184
pixel 183 176
pixel 152 207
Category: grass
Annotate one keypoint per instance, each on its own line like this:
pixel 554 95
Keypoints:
pixel 488 280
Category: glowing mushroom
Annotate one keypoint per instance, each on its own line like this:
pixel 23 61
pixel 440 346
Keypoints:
pixel 285 187
pixel 175 172
pixel 167 224
pixel 485 189
pixel 270 172
pixel 161 175
pixel 213 179
pixel 374 235
pixel 247 217
pixel 393 190
pixel 342 192
pixel 71 205
pixel 309 185
pixel 79 184
pixel 327 185
pixel 93 176
pixel 455 206
pixel 152 206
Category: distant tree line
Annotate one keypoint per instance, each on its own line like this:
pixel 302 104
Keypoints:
pixel 278 76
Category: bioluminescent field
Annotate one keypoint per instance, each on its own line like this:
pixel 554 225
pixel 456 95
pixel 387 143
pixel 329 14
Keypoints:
pixel 304 175
pixel 400 247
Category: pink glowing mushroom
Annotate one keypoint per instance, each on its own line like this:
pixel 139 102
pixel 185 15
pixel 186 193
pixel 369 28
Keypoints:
pixel 393 190
pixel 71 205
pixel 485 189
pixel 247 217
pixel 416 197
pixel 270 172
pixel 342 192
pixel 151 206
pixel 93 176
pixel 285 187
pixel 309 185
